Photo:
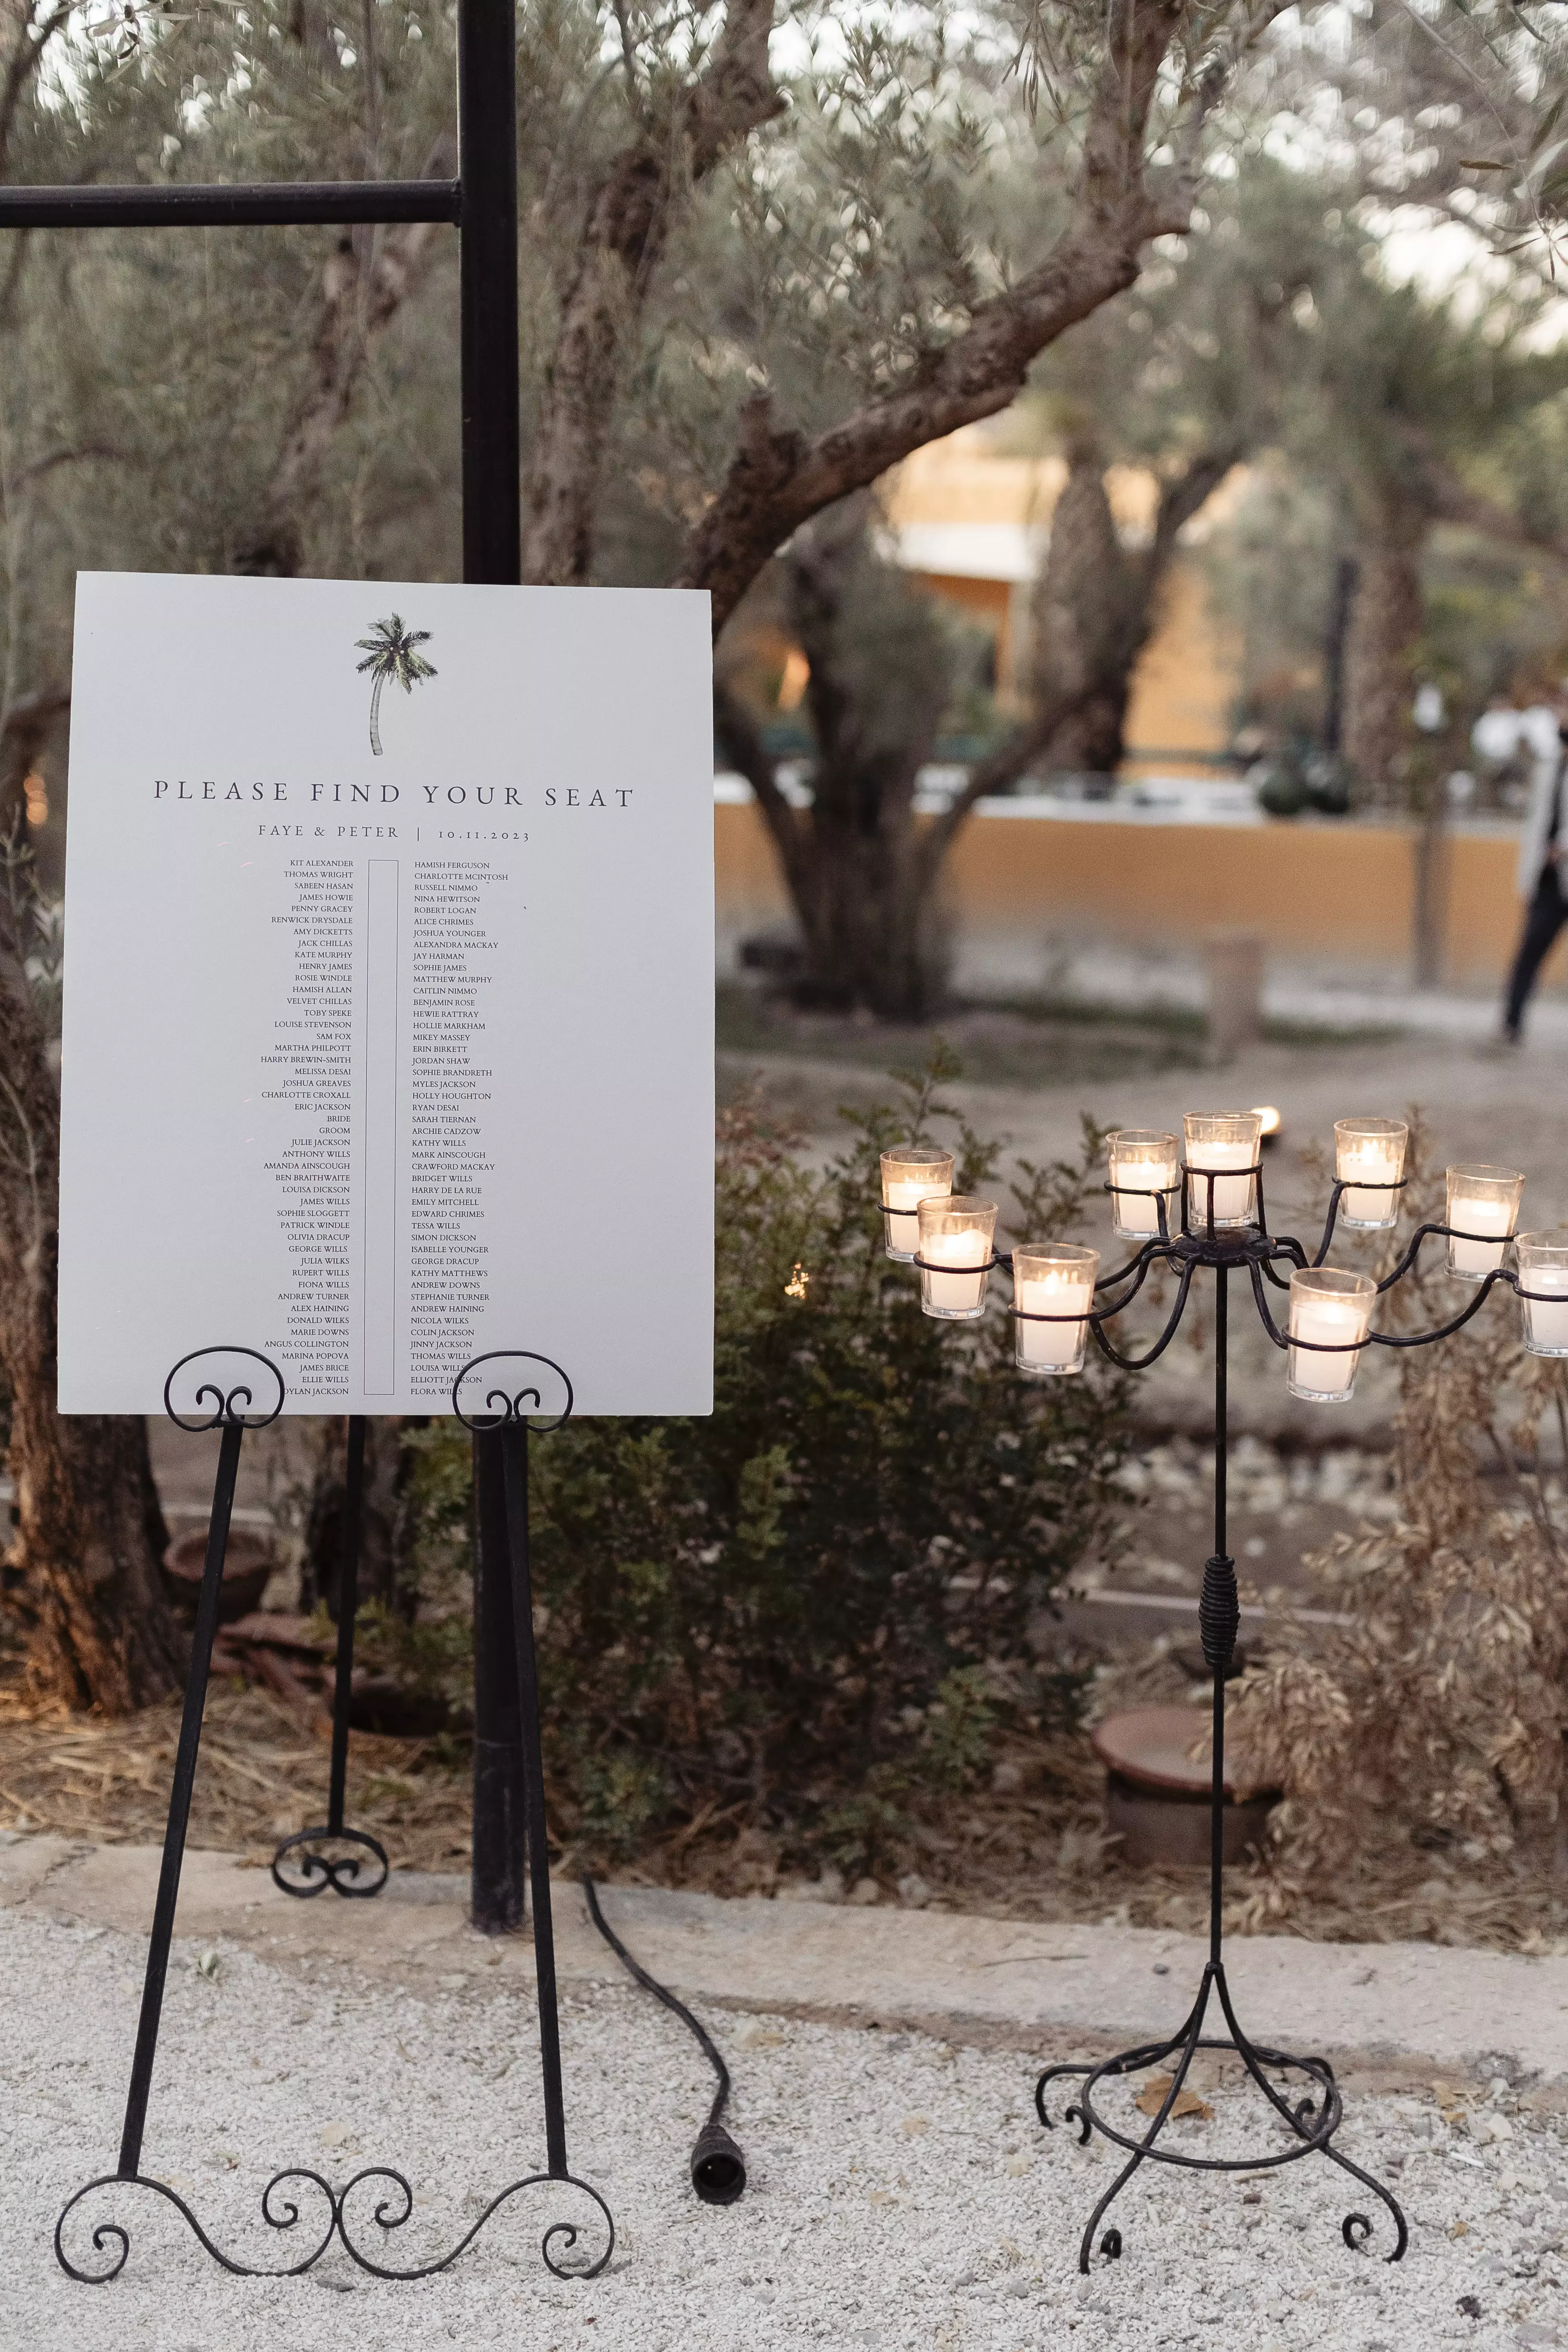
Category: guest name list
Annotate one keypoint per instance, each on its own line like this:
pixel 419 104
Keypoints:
pixel 388 1030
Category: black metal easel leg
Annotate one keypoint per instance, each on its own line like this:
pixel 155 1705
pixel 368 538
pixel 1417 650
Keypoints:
pixel 498 1877
pixel 500 1470
pixel 318 1870
pixel 1315 2115
pixel 111 2235
pixel 512 1442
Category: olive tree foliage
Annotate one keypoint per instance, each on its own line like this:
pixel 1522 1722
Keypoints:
pixel 267 401
pixel 769 249
pixel 1184 377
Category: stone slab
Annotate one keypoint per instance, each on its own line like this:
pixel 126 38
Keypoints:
pixel 1056 1990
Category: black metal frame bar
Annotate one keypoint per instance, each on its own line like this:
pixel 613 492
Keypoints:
pixel 1315 2117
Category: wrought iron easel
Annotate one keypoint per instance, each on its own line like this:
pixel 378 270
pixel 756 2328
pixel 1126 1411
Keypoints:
pixel 227 1390
pixel 1314 2116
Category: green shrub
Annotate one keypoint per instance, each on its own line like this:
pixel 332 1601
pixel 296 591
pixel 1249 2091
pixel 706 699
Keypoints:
pixel 815 1604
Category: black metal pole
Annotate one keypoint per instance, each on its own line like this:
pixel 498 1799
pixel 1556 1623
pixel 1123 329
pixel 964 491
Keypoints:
pixel 513 1444
pixel 487 163
pixel 180 1803
pixel 1215 1569
pixel 348 1608
pixel 500 1784
pixel 492 551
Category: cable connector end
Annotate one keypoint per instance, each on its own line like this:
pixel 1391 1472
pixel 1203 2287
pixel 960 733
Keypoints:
pixel 717 2168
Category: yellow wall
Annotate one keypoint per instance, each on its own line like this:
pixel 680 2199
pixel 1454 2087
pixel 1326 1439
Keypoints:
pixel 1338 895
pixel 1185 684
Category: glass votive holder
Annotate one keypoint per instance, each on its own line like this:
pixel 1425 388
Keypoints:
pixel 1331 1311
pixel 1144 1162
pixel 1054 1281
pixel 1226 1141
pixel 955 1255
pixel 1369 1161
pixel 1481 1202
pixel 911 1175
pixel 1542 1260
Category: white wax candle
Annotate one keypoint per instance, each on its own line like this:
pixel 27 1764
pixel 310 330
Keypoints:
pixel 1232 1194
pixel 1370 1162
pixel 1054 1294
pixel 902 1198
pixel 963 1248
pixel 1473 1216
pixel 1547 1324
pixel 1139 1213
pixel 1325 1320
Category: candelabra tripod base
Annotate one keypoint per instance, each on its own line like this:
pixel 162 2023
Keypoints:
pixel 1312 2116
pixel 299 1867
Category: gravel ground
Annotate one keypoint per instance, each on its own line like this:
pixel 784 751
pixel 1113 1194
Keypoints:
pixel 903 2193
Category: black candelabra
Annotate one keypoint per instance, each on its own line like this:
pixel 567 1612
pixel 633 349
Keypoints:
pixel 1310 2110
pixel 225 1399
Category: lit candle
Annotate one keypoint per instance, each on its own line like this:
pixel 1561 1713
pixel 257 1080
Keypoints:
pixel 1147 1161
pixel 955 1255
pixel 909 1176
pixel 1369 1153
pixel 1543 1267
pixel 1481 1201
pixel 1052 1279
pixel 1222 1139
pixel 1332 1310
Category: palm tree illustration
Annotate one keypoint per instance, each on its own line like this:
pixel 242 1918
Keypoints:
pixel 389 655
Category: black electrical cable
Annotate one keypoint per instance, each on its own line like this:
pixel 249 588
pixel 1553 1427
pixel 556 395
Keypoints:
pixel 718 2167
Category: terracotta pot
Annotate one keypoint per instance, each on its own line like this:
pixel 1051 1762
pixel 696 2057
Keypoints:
pixel 248 1564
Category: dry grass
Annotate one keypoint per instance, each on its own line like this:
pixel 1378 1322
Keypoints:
pixel 1037 1852
pixel 259 1776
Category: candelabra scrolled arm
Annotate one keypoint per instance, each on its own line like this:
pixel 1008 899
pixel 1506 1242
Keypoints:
pixel 1331 1220
pixel 1446 1330
pixel 1381 1338
pixel 1258 1270
pixel 1139 1364
pixel 1155 1251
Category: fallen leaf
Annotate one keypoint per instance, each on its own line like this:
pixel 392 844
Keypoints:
pixel 1151 2098
pixel 1461 2230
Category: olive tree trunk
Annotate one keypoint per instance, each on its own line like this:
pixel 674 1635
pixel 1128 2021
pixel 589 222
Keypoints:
pixel 1381 645
pixel 88 1534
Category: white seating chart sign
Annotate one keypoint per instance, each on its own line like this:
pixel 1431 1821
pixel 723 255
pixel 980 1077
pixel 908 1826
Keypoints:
pixel 389 990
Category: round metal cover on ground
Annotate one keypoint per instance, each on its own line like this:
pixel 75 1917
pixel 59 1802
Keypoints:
pixel 1153 1746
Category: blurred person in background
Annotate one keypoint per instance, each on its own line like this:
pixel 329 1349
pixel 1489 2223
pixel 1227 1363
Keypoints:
pixel 1542 731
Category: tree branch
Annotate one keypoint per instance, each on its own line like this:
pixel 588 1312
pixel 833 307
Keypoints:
pixel 32 38
pixel 628 222
pixel 777 479
pixel 361 294
pixel 740 743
